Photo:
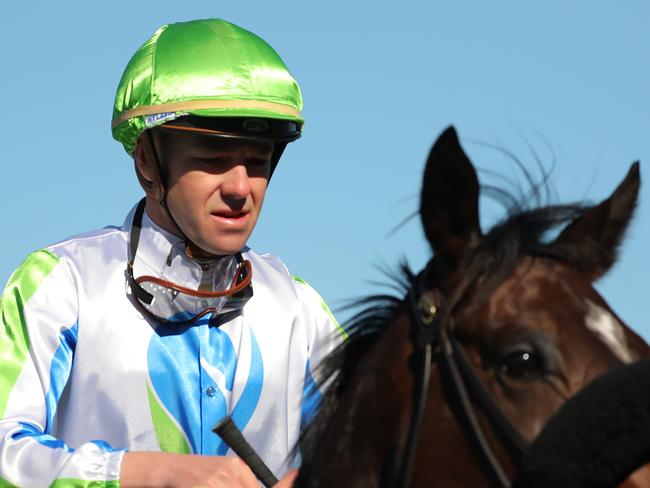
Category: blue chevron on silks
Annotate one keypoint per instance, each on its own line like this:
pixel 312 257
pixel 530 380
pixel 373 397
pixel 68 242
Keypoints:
pixel 224 382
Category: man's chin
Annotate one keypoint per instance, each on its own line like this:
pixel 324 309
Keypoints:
pixel 208 250
pixel 230 246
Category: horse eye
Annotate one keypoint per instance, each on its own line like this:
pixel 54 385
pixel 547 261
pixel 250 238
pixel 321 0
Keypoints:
pixel 522 365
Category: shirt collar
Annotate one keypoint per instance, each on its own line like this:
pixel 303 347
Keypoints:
pixel 162 254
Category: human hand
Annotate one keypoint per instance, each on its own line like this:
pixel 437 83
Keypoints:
pixel 154 469
pixel 287 481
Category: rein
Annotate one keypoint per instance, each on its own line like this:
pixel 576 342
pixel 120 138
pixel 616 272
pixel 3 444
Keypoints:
pixel 432 334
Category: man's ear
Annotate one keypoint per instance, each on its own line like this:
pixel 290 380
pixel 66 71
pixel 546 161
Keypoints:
pixel 146 168
pixel 142 156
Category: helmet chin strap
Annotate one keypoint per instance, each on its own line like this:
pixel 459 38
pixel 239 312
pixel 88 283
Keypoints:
pixel 162 174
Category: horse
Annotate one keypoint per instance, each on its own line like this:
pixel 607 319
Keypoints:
pixel 448 381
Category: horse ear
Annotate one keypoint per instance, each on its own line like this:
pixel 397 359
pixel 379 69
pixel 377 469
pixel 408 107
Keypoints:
pixel 592 239
pixel 449 199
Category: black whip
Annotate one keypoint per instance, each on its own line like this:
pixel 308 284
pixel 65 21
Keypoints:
pixel 231 435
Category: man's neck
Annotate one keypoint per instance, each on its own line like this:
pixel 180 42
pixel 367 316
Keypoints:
pixel 161 218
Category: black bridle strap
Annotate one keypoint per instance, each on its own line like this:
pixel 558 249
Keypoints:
pixel 467 415
pixel 513 441
pixel 418 402
pixel 454 367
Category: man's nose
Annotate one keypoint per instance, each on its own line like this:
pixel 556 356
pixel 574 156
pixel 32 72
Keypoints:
pixel 236 184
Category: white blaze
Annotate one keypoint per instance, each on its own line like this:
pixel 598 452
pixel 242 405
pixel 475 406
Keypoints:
pixel 609 330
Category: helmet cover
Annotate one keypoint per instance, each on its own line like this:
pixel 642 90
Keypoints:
pixel 208 68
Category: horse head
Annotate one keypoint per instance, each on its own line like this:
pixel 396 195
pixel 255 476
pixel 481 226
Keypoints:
pixel 514 325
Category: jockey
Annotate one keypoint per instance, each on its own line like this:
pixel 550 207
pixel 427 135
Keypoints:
pixel 121 348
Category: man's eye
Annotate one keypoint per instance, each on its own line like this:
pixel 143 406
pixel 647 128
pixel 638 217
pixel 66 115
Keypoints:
pixel 209 162
pixel 257 162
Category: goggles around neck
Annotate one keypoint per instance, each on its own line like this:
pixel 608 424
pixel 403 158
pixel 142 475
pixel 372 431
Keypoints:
pixel 228 277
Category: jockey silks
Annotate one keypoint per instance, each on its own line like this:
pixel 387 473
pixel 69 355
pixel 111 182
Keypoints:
pixel 85 376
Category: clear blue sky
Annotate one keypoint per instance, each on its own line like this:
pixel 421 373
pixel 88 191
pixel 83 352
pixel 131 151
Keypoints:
pixel 380 80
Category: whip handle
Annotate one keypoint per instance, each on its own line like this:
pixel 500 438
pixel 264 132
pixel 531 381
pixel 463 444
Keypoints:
pixel 228 431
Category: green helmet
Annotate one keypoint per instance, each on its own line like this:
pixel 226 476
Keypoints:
pixel 206 68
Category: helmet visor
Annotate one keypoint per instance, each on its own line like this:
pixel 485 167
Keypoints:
pixel 252 128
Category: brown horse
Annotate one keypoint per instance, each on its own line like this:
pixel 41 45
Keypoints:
pixel 515 328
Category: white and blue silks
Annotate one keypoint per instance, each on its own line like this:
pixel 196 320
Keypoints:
pixel 84 376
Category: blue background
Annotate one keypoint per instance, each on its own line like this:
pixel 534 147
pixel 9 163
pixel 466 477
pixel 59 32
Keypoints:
pixel 380 81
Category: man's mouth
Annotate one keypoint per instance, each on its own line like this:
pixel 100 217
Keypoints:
pixel 229 214
pixel 231 217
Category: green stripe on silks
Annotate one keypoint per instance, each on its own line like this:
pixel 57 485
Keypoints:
pixel 14 340
pixel 76 483
pixel 72 483
pixel 341 330
pixel 169 435
pixel 5 484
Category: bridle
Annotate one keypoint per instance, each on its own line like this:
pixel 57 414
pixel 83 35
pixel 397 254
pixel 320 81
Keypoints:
pixel 432 334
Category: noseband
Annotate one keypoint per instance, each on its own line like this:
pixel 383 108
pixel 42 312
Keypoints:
pixel 432 334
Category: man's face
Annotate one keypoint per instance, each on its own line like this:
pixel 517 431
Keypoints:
pixel 216 187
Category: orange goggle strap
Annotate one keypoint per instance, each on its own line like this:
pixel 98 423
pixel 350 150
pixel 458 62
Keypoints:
pixel 245 269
